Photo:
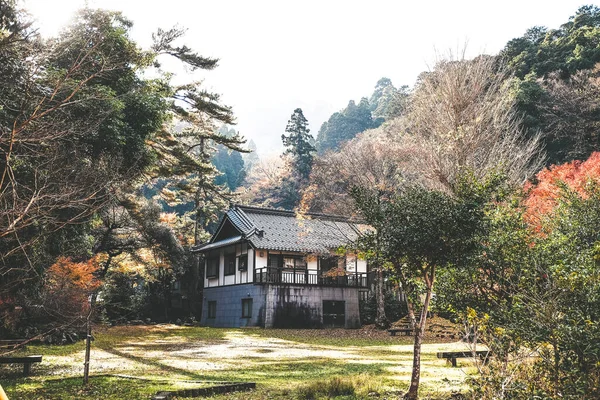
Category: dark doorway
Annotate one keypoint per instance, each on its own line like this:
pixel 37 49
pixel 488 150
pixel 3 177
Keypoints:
pixel 334 313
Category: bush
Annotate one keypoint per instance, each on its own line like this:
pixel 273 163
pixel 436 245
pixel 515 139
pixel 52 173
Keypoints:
pixel 394 308
pixel 123 297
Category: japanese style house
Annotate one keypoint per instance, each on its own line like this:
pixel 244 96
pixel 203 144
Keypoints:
pixel 273 268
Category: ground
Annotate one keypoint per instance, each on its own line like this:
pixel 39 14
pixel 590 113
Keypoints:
pixel 134 362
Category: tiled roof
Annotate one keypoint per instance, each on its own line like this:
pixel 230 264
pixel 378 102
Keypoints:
pixel 220 243
pixel 273 229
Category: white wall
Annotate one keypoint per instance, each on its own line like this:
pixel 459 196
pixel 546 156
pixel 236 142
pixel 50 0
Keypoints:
pixel 239 276
pixel 352 265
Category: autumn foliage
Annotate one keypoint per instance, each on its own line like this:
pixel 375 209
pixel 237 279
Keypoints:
pixel 68 286
pixel 543 196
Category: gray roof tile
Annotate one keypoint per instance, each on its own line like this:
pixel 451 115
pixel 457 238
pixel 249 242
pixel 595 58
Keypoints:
pixel 288 231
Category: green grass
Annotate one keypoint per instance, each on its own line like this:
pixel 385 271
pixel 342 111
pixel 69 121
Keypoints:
pixel 285 364
pixel 100 387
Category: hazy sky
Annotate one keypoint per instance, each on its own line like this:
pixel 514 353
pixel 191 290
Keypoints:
pixel 278 55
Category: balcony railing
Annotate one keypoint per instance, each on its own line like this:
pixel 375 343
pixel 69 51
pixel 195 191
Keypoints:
pixel 294 276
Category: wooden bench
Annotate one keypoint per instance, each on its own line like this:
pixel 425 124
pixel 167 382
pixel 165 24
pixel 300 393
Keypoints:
pixel 26 361
pixel 407 331
pixel 453 355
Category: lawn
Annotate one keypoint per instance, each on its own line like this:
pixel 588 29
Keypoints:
pixel 134 362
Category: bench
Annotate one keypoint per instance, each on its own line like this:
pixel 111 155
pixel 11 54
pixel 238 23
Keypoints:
pixel 26 361
pixel 407 331
pixel 453 355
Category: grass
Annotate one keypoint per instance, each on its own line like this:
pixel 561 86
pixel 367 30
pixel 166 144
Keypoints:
pixel 285 364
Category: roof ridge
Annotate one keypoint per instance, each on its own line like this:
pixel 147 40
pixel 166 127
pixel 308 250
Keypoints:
pixel 278 211
pixel 242 215
pixel 238 218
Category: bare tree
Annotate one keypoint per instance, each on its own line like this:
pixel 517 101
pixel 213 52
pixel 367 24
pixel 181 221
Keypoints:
pixel 460 120
pixel 463 119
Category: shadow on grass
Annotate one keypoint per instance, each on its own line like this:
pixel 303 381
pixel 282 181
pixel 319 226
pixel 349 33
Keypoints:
pixel 160 366
pixel 101 387
pixel 266 371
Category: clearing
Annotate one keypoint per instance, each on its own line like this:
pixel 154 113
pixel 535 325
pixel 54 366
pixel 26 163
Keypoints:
pixel 134 362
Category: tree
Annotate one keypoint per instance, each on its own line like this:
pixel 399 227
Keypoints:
pixel 544 196
pixel 534 285
pixel 298 143
pixel 554 95
pixel 81 126
pixel 345 125
pixel 373 162
pixel 457 147
pixel 229 162
pixel 251 159
pixel 388 102
pixel 298 161
pixel 425 231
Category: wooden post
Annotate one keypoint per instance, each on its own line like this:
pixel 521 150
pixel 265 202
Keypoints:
pixel 88 340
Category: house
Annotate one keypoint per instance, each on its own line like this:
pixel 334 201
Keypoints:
pixel 273 268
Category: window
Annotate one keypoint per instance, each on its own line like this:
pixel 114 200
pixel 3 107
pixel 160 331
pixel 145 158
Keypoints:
pixel 212 267
pixel 290 262
pixel 243 262
pixel 287 261
pixel 275 261
pixel 246 308
pixel 212 309
pixel 229 264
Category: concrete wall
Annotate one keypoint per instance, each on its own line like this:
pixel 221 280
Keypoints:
pixel 273 306
pixel 229 306
pixel 293 306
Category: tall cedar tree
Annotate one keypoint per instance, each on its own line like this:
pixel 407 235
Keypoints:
pixel 298 144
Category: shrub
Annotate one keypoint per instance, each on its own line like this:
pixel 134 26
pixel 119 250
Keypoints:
pixel 331 388
pixel 394 308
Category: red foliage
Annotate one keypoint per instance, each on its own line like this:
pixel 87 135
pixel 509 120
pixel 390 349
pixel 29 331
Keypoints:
pixel 543 196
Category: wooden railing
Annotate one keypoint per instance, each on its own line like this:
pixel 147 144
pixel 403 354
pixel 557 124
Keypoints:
pixel 303 276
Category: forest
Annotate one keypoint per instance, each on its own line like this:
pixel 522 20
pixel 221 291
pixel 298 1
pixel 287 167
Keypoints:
pixel 481 181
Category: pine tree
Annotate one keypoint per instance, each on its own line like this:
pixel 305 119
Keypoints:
pixel 298 144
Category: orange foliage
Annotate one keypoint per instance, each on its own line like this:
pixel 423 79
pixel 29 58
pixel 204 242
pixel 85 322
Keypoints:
pixel 80 275
pixel 543 197
pixel 68 287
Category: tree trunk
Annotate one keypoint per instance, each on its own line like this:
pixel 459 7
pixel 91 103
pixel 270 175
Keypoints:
pixel 413 391
pixel 408 292
pixel 381 320
pixel 412 320
pixel 193 288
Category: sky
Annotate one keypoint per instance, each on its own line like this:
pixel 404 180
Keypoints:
pixel 278 55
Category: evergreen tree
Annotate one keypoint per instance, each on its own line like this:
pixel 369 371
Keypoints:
pixel 298 144
pixel 251 159
pixel 385 103
pixel 554 82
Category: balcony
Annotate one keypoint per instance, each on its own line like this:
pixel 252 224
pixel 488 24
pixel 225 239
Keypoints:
pixel 303 276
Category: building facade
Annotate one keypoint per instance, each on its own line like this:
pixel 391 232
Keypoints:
pixel 276 269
